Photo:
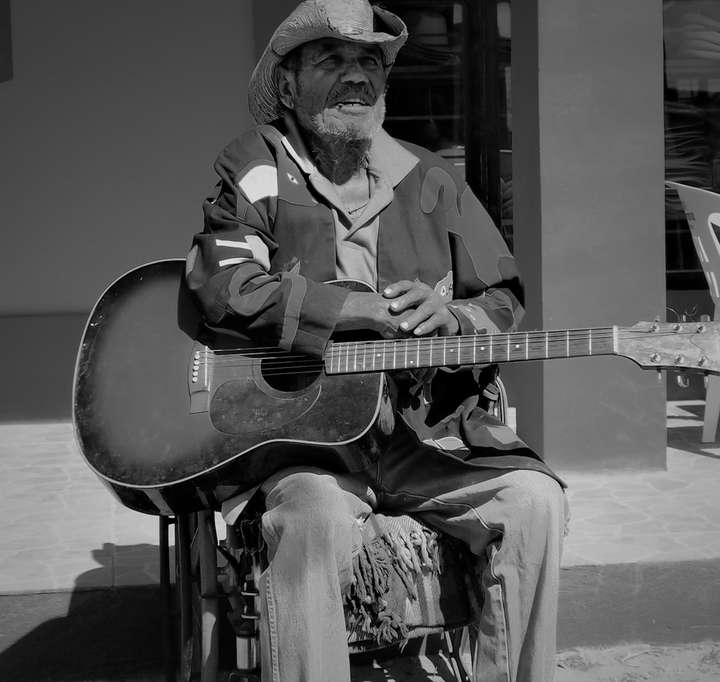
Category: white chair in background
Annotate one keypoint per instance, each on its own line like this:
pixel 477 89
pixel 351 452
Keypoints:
pixel 702 210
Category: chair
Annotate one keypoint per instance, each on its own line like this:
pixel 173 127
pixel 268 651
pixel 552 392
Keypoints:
pixel 213 614
pixel 702 210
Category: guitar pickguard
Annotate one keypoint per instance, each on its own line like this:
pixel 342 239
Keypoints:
pixel 238 407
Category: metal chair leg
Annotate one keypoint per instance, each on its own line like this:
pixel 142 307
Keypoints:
pixel 208 596
pixel 184 590
pixel 197 591
pixel 168 639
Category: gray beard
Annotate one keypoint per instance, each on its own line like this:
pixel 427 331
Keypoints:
pixel 338 157
pixel 338 152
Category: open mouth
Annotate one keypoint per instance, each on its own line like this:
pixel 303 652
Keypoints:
pixel 351 105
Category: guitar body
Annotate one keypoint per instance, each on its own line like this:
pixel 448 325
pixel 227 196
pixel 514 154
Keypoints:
pixel 163 415
pixel 167 409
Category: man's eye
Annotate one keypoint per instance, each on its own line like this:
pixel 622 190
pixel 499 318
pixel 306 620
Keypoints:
pixel 370 62
pixel 330 62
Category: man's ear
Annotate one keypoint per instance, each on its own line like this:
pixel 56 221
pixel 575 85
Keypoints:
pixel 286 87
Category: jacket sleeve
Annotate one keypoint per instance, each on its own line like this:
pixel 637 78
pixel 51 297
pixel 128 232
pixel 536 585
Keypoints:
pixel 229 266
pixel 487 296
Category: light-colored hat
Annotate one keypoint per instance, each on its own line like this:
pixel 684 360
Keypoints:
pixel 354 20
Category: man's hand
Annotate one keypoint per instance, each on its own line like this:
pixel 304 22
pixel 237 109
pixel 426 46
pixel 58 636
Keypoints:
pixel 403 308
pixel 421 310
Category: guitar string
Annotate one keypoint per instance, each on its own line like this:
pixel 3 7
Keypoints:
pixel 494 338
pixel 307 364
pixel 521 338
pixel 432 345
pixel 473 339
pixel 537 338
pixel 499 342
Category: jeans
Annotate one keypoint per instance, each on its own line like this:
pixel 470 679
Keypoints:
pixel 312 527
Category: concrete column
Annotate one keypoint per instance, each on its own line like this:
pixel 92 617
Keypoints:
pixel 588 170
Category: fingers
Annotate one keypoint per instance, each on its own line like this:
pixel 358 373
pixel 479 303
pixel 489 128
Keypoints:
pixel 397 288
pixel 437 321
pixel 407 295
pixel 422 315
pixel 420 310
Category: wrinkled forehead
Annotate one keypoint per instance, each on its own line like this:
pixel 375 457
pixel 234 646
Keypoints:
pixel 317 49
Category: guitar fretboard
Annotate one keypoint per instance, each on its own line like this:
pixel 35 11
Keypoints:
pixel 441 351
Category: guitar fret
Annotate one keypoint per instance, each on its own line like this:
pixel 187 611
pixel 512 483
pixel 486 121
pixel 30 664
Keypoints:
pixel 547 353
pixel 567 343
pixel 527 346
pixel 590 341
pixel 508 346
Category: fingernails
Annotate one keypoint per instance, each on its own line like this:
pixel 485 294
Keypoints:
pixel 403 325
pixel 395 305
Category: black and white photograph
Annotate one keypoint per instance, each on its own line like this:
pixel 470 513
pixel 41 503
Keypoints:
pixel 360 341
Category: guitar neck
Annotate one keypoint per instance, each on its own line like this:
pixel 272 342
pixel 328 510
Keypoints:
pixel 442 351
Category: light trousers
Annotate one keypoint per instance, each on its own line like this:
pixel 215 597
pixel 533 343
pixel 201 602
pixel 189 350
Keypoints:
pixel 516 518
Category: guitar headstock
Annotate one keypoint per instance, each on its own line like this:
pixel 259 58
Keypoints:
pixel 692 346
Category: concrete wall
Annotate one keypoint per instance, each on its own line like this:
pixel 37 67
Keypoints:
pixel 588 172
pixel 108 130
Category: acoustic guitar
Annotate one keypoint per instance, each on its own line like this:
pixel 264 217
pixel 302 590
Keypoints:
pixel 165 408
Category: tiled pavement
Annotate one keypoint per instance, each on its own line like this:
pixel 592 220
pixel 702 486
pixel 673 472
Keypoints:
pixel 63 530
pixel 659 516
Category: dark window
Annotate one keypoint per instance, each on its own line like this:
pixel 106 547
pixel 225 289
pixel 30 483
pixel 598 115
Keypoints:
pixel 450 92
pixel 692 123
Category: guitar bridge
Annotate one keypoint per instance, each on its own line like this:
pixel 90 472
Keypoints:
pixel 199 379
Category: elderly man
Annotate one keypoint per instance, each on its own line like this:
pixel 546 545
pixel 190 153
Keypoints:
pixel 318 191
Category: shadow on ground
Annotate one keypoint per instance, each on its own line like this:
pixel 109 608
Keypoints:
pixel 86 634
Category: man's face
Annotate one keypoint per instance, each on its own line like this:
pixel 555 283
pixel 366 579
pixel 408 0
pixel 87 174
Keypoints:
pixel 338 89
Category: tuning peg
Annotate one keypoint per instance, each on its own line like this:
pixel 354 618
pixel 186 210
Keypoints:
pixel 683 380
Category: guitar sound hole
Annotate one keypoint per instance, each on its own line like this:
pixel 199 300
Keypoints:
pixel 289 377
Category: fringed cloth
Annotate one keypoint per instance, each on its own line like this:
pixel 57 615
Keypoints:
pixel 408 581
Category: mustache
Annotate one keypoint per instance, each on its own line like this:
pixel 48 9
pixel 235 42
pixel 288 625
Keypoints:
pixel 351 91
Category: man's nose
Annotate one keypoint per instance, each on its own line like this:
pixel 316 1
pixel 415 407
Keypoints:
pixel 354 73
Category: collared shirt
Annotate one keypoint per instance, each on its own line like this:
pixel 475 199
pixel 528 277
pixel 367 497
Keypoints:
pixel 356 233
